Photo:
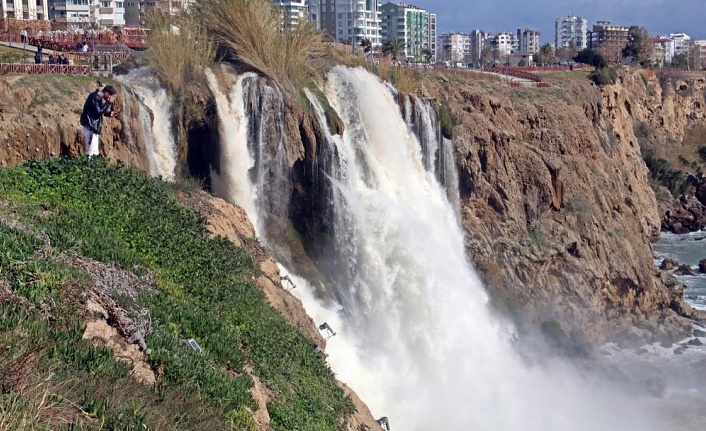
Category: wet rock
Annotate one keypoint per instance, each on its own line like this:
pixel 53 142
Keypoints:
pixel 684 270
pixel 694 342
pixel 702 266
pixel 699 333
pixel 668 264
pixel 687 214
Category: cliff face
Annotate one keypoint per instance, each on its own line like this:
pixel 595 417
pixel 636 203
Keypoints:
pixel 39 118
pixel 557 205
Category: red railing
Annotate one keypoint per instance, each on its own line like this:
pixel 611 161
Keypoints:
pixel 64 41
pixel 45 69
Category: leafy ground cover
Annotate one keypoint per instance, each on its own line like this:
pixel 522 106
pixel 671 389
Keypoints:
pixel 52 379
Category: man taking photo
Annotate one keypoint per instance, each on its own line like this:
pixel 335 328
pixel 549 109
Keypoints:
pixel 98 104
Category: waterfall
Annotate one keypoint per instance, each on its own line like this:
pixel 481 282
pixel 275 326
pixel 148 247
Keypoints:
pixel 253 168
pixel 422 118
pixel 416 338
pixel 156 128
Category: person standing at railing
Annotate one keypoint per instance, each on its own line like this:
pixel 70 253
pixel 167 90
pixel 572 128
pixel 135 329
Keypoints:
pixel 23 35
pixel 98 104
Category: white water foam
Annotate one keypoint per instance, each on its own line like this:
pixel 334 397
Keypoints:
pixel 233 184
pixel 157 131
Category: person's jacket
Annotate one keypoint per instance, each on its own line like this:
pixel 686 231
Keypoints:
pixel 93 112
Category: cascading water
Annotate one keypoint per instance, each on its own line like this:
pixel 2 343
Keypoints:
pixel 156 128
pixel 416 338
pixel 422 118
pixel 252 170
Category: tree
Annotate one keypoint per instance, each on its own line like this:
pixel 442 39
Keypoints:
pixel 639 45
pixel 547 53
pixel 367 45
pixel 486 55
pixel 589 56
pixel 392 48
pixel 426 52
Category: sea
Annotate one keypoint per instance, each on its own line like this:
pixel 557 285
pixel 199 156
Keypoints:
pixel 686 249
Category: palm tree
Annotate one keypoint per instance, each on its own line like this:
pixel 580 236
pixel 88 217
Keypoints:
pixel 392 47
pixel 426 52
pixel 367 45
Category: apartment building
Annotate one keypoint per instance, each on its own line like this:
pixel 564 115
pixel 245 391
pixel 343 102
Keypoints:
pixel 24 9
pixel 528 41
pixel 700 54
pixel 505 44
pixel 455 47
pixel 413 26
pixel 479 39
pixel 135 9
pixel 83 13
pixel 608 39
pixel 571 30
pixel 348 21
pixel 678 43
pixel 293 11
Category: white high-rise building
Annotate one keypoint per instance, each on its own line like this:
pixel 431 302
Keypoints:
pixel 506 43
pixel 455 47
pixel 24 9
pixel 571 29
pixel 348 21
pixel 528 40
pixel 413 26
pixel 82 13
pixel 293 11
pixel 678 43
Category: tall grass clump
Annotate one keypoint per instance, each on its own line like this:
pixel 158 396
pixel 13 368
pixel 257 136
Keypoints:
pixel 180 51
pixel 253 32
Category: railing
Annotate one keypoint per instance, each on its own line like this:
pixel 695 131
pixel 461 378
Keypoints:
pixel 45 69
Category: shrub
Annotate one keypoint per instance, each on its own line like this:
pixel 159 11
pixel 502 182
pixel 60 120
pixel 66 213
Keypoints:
pixel 589 56
pixel 605 76
pixel 253 33
pixel 662 174
pixel 179 51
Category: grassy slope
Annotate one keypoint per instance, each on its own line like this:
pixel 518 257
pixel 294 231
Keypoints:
pixel 205 291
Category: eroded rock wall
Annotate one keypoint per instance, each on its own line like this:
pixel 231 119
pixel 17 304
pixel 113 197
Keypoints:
pixel 39 118
pixel 557 205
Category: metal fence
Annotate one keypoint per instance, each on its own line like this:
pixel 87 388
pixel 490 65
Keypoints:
pixel 46 69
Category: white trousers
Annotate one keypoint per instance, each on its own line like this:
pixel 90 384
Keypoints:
pixel 92 140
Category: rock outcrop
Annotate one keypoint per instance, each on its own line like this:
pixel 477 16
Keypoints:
pixel 557 205
pixel 39 118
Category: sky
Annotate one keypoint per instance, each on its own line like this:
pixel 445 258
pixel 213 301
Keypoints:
pixel 658 16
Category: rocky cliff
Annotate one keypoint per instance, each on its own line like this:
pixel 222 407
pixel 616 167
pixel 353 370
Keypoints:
pixel 557 204
pixel 39 118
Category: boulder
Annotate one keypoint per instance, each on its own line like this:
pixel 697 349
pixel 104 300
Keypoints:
pixel 702 266
pixel 684 270
pixel 699 333
pixel 687 214
pixel 668 264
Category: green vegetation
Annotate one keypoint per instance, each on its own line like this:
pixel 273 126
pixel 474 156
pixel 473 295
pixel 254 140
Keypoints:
pixel 203 289
pixel 591 57
pixel 538 237
pixel 639 45
pixel 662 174
pixel 446 121
pixel 604 76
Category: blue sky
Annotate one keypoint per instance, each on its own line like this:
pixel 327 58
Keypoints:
pixel 659 16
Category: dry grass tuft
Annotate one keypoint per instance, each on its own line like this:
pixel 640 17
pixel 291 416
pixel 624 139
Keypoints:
pixel 253 33
pixel 180 50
